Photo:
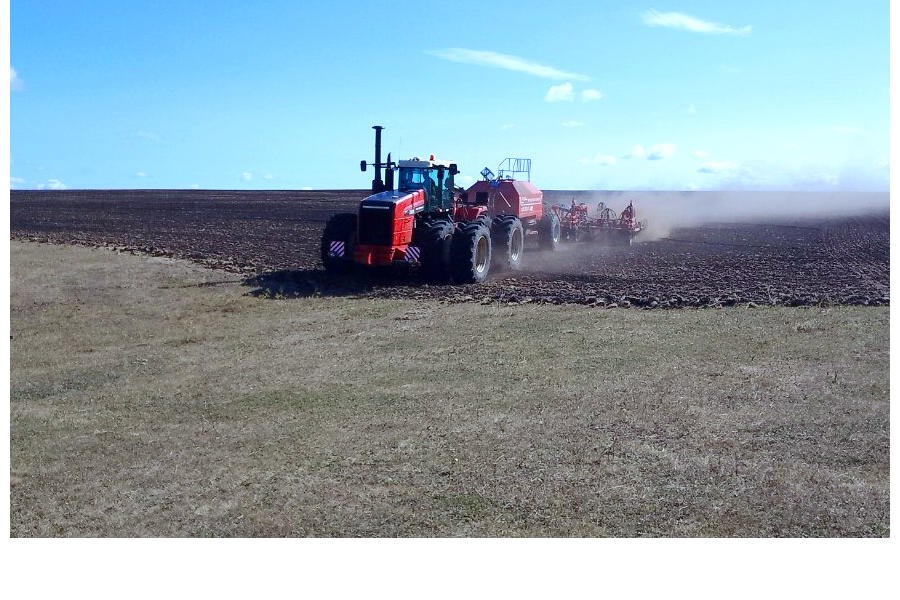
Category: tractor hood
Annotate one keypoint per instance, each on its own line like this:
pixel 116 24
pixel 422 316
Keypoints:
pixel 388 196
pixel 409 202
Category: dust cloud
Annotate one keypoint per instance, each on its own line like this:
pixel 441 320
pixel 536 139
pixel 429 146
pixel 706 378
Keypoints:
pixel 664 211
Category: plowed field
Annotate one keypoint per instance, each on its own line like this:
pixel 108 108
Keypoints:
pixel 271 238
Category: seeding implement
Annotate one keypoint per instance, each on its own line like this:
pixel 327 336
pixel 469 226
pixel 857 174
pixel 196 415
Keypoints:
pixel 447 232
pixel 606 227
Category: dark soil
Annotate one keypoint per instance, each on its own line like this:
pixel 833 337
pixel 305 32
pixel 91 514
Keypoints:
pixel 271 238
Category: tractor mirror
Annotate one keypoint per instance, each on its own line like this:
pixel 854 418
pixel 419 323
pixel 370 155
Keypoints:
pixel 362 165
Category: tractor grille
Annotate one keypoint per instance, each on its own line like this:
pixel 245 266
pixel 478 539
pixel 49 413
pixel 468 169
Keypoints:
pixel 376 224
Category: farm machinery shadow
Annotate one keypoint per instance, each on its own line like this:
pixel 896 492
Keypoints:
pixel 310 283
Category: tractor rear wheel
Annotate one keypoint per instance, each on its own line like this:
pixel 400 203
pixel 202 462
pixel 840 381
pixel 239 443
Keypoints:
pixel 434 238
pixel 338 241
pixel 549 231
pixel 508 242
pixel 470 254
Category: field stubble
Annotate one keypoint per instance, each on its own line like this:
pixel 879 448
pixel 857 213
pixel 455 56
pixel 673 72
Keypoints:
pixel 208 412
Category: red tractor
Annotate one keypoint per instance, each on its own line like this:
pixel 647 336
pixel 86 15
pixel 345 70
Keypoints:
pixel 429 223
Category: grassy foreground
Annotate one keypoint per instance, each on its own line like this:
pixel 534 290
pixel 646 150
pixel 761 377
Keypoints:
pixel 150 397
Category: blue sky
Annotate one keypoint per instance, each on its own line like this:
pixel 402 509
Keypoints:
pixel 788 94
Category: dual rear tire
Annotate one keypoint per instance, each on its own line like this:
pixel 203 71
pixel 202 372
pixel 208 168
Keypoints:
pixel 508 237
pixel 470 253
pixel 461 253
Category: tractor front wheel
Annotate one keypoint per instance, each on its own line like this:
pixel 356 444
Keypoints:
pixel 338 241
pixel 434 238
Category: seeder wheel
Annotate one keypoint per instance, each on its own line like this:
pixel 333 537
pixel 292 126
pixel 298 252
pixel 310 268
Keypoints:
pixel 549 231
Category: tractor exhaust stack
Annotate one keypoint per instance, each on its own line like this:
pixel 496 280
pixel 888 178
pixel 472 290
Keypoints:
pixel 377 183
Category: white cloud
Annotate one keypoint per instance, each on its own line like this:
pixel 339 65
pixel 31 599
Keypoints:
pixel 560 93
pixel 713 167
pixel 599 159
pixel 637 151
pixel 268 177
pixel 307 188
pixel 675 20
pixel 52 184
pixel 16 182
pixel 487 58
pixel 246 175
pixel 565 92
pixel 661 151
pixel 572 124
pixel 700 153
pixel 15 82
pixel 195 186
pixel 507 126
pixel 692 109
pixel 140 174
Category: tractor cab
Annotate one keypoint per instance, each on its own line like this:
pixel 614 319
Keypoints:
pixel 435 177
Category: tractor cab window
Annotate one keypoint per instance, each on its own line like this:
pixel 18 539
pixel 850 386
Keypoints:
pixel 412 179
pixel 435 185
pixel 441 187
pixel 438 190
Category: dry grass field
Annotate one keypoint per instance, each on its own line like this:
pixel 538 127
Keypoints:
pixel 152 397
